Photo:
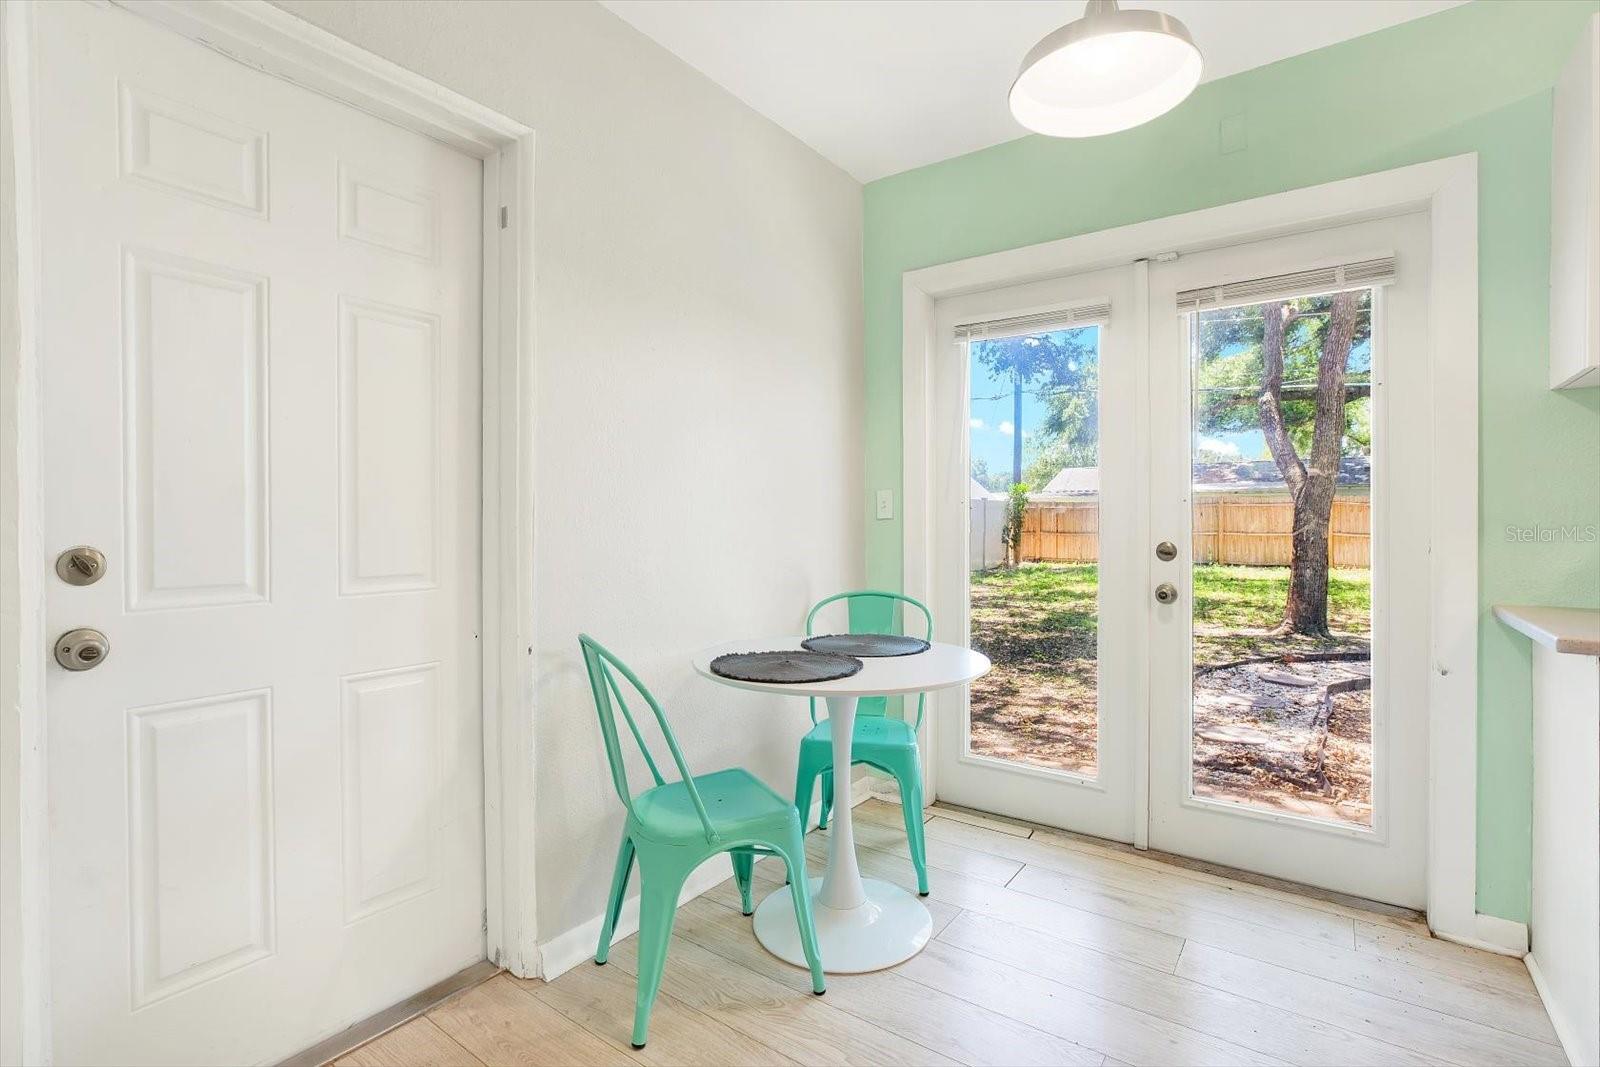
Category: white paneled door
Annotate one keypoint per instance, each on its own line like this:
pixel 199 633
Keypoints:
pixel 261 362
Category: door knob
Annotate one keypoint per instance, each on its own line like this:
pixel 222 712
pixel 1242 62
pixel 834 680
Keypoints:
pixel 1166 593
pixel 82 649
pixel 1166 551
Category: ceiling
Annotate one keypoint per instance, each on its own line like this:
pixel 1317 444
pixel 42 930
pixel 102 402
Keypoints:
pixel 881 86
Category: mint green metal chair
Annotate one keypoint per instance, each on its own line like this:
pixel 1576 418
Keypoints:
pixel 886 743
pixel 674 827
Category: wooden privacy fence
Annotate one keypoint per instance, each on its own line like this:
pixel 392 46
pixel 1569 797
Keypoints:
pixel 1228 528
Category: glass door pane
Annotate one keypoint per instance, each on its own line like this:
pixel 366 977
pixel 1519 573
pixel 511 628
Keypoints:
pixel 1280 458
pixel 1034 516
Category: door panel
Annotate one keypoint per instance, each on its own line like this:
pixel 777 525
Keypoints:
pixel 1049 735
pixel 261 400
pixel 1235 751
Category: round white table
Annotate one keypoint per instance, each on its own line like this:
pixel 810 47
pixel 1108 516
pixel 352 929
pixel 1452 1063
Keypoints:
pixel 863 924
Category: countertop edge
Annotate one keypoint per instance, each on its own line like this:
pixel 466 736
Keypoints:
pixel 1575 631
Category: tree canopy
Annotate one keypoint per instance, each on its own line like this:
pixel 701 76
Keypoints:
pixel 1228 368
pixel 1061 368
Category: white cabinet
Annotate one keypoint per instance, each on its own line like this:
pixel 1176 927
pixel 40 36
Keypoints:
pixel 1565 924
pixel 1575 219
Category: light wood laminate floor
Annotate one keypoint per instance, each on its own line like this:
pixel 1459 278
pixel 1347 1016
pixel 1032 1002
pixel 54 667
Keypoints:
pixel 1048 949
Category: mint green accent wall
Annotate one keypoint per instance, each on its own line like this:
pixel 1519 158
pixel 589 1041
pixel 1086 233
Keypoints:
pixel 1472 79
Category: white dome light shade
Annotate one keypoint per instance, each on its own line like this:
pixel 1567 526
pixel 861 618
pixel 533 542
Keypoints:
pixel 1111 70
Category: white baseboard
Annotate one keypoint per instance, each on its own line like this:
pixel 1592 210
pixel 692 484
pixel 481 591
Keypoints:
pixel 1492 934
pixel 1566 1029
pixel 566 950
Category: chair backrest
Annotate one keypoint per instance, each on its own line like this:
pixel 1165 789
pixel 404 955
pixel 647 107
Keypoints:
pixel 873 611
pixel 603 667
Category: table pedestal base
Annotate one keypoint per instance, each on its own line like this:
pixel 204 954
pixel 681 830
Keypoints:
pixel 890 928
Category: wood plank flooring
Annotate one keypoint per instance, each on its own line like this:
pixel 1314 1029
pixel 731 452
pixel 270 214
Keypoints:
pixel 1048 948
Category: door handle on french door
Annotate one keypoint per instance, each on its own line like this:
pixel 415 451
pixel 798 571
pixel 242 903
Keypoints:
pixel 1166 593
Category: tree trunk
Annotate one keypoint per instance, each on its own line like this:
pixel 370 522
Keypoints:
pixel 1306 609
pixel 1016 428
pixel 1311 484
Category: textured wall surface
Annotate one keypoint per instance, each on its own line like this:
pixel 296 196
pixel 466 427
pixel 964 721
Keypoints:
pixel 1472 79
pixel 699 382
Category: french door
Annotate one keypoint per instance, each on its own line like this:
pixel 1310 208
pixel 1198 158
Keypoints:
pixel 1208 609
pixel 1053 739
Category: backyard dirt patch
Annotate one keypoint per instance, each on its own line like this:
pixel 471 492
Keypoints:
pixel 1256 740
pixel 1256 734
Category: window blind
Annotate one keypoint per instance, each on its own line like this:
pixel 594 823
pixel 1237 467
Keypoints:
pixel 1360 275
pixel 1043 322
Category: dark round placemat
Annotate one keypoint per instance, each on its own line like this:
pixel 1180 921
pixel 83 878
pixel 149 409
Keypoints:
pixel 866 644
pixel 788 666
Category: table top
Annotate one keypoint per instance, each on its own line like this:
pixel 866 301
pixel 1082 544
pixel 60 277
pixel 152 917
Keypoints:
pixel 940 667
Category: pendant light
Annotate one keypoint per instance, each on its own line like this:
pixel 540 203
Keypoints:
pixel 1111 70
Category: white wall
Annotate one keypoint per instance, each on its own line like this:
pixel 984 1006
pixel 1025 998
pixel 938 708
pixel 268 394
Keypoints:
pixel 699 382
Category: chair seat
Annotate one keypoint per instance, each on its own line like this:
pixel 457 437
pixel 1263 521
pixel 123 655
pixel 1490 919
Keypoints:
pixel 736 802
pixel 872 731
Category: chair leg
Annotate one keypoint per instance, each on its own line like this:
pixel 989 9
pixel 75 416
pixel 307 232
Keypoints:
pixel 805 778
pixel 744 865
pixel 827 798
pixel 619 889
pixel 658 907
pixel 794 859
pixel 911 808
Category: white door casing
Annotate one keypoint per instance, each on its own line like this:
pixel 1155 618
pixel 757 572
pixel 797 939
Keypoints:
pixel 260 371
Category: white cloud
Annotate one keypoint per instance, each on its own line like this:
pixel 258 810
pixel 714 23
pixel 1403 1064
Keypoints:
pixel 1217 444
pixel 1007 429
pixel 976 424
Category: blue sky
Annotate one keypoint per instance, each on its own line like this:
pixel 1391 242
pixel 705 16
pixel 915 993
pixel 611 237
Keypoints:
pixel 991 419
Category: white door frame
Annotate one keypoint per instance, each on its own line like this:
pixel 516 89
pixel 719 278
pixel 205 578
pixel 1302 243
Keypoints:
pixel 267 38
pixel 1448 190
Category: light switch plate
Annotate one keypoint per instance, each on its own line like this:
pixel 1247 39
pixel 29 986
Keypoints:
pixel 885 503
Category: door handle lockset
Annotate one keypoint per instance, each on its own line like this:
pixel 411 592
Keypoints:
pixel 82 649
pixel 1166 593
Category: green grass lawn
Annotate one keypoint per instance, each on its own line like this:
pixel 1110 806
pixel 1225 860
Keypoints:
pixel 1045 613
